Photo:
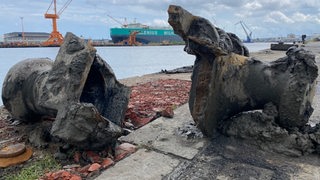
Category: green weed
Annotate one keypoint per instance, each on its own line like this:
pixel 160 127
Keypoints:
pixel 36 169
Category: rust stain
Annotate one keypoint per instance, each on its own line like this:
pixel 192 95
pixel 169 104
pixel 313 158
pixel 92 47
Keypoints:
pixel 6 162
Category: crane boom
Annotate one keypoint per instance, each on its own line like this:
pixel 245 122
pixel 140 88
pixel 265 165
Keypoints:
pixel 64 7
pixel 117 21
pixel 246 31
pixel 55 36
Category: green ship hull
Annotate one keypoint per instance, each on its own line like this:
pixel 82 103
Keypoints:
pixel 145 35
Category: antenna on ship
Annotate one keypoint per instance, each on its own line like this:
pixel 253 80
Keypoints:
pixel 125 23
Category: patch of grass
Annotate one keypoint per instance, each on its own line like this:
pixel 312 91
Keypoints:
pixel 36 169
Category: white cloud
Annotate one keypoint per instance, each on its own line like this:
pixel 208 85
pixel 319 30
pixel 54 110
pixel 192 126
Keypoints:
pixel 277 17
pixel 300 17
pixel 277 4
pixel 317 18
pixel 253 5
pixel 269 19
pixel 160 23
pixel 244 14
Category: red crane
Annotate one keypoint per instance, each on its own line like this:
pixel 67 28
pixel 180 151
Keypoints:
pixel 55 37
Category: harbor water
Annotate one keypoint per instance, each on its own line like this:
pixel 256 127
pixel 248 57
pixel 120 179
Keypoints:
pixel 125 61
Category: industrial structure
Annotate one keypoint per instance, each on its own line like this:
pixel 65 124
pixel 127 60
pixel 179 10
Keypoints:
pixel 25 38
pixel 137 34
pixel 132 40
pixel 145 35
pixel 246 30
pixel 55 37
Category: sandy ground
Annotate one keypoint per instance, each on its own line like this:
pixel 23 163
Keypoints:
pixel 132 81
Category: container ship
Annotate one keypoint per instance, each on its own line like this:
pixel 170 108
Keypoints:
pixel 144 34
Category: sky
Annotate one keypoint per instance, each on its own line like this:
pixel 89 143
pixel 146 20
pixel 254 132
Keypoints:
pixel 91 18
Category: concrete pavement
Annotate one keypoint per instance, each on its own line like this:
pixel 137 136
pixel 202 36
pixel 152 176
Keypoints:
pixel 172 149
pixel 163 145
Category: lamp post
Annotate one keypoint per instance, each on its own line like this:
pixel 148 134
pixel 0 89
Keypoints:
pixel 22 29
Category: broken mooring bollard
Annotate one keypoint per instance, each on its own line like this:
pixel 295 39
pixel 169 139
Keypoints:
pixel 226 83
pixel 35 88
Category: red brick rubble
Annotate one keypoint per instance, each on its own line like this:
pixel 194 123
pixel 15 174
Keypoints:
pixel 150 100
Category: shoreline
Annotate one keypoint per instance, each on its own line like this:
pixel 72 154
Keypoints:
pixel 94 45
pixel 265 55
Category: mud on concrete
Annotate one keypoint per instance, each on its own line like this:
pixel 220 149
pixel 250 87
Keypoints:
pixel 229 158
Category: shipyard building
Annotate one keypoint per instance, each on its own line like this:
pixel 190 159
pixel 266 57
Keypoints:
pixel 25 37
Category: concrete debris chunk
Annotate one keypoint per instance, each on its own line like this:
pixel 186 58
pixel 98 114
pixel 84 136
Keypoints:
pixel 78 79
pixel 82 125
pixel 227 85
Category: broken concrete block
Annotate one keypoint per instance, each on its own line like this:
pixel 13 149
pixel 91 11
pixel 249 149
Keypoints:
pixel 225 82
pixel 18 94
pixel 81 124
pixel 202 37
pixel 260 128
pixel 35 88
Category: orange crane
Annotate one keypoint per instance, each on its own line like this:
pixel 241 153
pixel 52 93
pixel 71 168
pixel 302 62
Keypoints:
pixel 132 38
pixel 55 37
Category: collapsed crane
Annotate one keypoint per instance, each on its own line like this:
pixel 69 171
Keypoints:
pixel 55 39
pixel 246 30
